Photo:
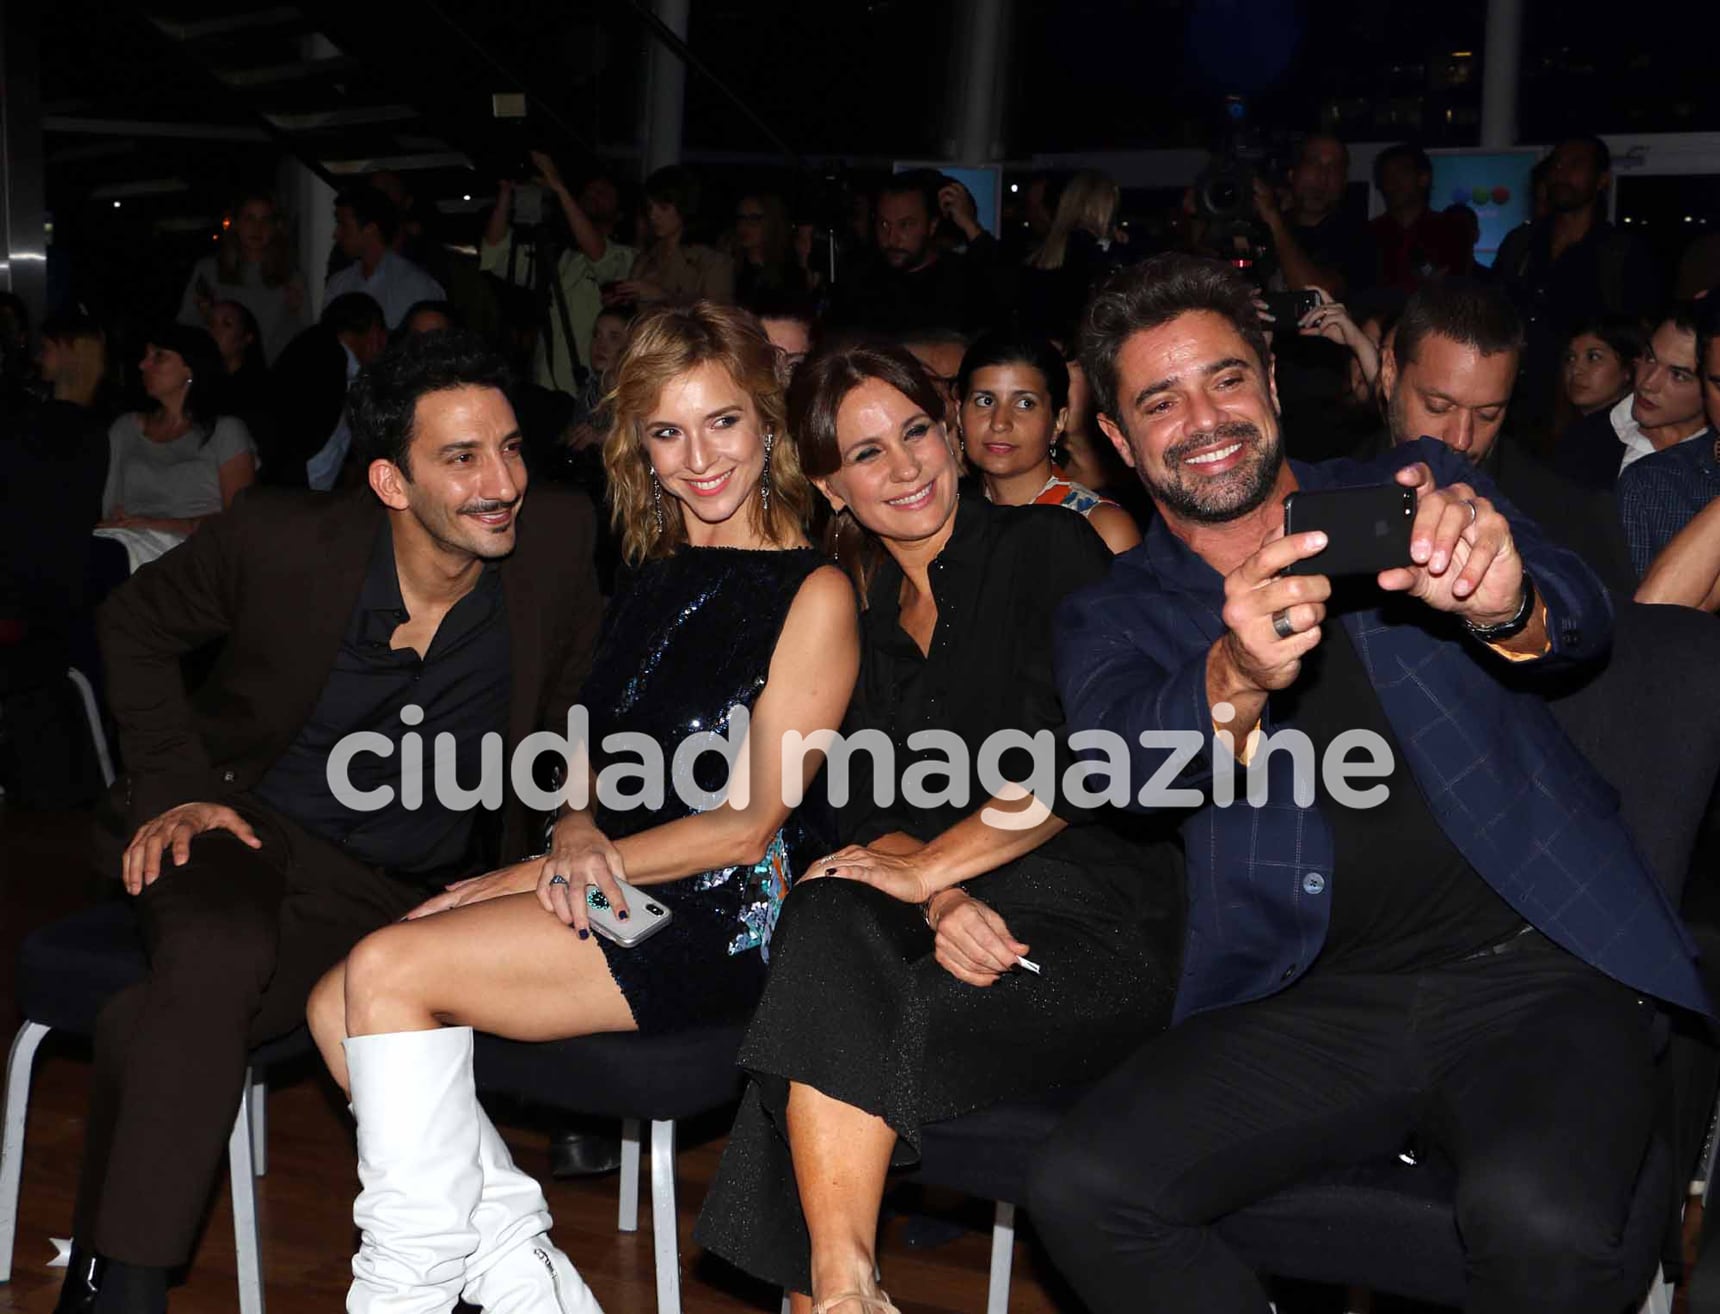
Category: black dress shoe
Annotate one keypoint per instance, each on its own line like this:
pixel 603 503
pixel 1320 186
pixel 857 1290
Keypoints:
pixel 83 1279
pixel 583 1154
pixel 97 1285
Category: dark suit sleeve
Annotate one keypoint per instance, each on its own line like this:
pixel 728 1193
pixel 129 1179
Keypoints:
pixel 1579 609
pixel 1113 677
pixel 1651 497
pixel 583 614
pixel 1070 556
pixel 175 604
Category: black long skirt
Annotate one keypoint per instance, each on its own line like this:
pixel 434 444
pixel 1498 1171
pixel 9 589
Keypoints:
pixel 857 1007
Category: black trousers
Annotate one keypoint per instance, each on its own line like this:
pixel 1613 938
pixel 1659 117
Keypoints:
pixel 1530 1070
pixel 236 939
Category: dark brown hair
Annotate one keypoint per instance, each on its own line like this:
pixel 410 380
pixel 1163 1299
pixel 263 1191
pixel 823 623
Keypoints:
pixel 821 385
pixel 1463 310
pixel 1155 292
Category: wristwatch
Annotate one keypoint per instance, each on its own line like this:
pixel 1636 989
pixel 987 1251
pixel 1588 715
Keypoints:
pixel 1508 629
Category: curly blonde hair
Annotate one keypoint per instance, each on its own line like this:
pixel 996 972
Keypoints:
pixel 662 345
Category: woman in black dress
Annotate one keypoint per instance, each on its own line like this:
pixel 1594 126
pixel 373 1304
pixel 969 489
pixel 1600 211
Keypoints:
pixel 726 610
pixel 896 995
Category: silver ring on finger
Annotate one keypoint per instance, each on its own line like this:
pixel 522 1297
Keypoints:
pixel 558 879
pixel 1281 625
pixel 1474 511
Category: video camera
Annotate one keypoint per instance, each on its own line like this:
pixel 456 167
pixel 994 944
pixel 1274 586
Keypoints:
pixel 1224 190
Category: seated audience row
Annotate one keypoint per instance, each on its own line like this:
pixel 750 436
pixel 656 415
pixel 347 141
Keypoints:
pixel 1006 935
pixel 839 507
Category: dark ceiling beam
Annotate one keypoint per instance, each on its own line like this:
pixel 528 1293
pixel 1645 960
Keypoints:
pixel 147 128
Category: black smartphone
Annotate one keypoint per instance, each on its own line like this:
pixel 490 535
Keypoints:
pixel 1287 308
pixel 1367 528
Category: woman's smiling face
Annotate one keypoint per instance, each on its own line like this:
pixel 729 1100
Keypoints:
pixel 898 473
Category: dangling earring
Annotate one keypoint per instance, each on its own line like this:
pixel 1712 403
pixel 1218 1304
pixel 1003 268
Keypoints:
pixel 836 538
pixel 657 501
pixel 764 478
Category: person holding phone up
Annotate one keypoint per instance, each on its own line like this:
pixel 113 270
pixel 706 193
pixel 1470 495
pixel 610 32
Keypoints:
pixel 1440 958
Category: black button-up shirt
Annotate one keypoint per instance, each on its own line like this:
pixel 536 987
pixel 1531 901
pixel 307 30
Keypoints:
pixel 997 584
pixel 461 685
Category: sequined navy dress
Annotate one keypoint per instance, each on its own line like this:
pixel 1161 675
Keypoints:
pixel 688 638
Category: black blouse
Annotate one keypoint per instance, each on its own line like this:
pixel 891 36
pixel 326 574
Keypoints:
pixel 997 585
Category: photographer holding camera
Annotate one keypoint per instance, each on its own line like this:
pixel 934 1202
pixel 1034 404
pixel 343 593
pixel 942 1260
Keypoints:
pixel 514 251
pixel 1316 244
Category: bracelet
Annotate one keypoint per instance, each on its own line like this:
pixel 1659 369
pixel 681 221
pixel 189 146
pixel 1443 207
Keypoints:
pixel 1508 629
pixel 926 907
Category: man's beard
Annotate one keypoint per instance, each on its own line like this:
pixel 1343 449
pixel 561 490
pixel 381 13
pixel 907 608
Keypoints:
pixel 1230 496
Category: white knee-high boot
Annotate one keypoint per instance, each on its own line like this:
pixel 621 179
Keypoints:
pixel 516 1268
pixel 418 1130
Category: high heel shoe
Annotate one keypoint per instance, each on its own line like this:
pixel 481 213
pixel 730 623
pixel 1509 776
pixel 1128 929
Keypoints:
pixel 879 1304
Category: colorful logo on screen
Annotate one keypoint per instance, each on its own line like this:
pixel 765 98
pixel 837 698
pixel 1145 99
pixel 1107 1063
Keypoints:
pixel 1480 195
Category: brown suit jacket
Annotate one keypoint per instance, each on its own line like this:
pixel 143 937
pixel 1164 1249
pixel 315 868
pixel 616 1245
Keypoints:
pixel 276 578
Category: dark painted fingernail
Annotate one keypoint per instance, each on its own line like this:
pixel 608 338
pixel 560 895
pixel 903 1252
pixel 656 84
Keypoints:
pixel 622 914
pixel 584 934
pixel 830 871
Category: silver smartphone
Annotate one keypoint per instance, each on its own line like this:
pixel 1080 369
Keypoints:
pixel 646 915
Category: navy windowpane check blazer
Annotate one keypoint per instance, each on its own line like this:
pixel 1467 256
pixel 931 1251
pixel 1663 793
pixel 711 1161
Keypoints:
pixel 1518 800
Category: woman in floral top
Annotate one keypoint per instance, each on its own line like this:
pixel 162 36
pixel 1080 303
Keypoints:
pixel 1014 394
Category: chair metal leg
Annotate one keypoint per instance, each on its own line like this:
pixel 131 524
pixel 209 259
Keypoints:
pixel 93 713
pixel 628 1217
pixel 19 1065
pixel 247 1245
pixel 1659 1298
pixel 1710 1150
pixel 785 1300
pixel 665 1225
pixel 1002 1259
pixel 260 1127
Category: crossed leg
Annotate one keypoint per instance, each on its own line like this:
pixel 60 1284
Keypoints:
pixel 504 966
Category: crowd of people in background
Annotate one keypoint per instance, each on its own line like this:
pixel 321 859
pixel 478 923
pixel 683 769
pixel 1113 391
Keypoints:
pixel 745 380
pixel 255 377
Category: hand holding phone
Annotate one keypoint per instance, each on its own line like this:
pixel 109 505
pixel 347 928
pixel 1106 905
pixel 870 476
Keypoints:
pixel 1272 619
pixel 1287 308
pixel 1367 529
pixel 1463 557
pixel 645 915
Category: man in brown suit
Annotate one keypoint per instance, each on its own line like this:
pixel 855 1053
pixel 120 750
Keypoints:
pixel 427 604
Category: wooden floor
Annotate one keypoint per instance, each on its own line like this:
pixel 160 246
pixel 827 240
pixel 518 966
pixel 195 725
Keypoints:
pixel 305 1201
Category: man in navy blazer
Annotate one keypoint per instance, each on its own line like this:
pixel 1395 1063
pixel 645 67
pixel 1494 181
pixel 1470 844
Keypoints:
pixel 1444 933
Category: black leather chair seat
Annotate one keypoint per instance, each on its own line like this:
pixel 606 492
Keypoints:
pixel 658 1078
